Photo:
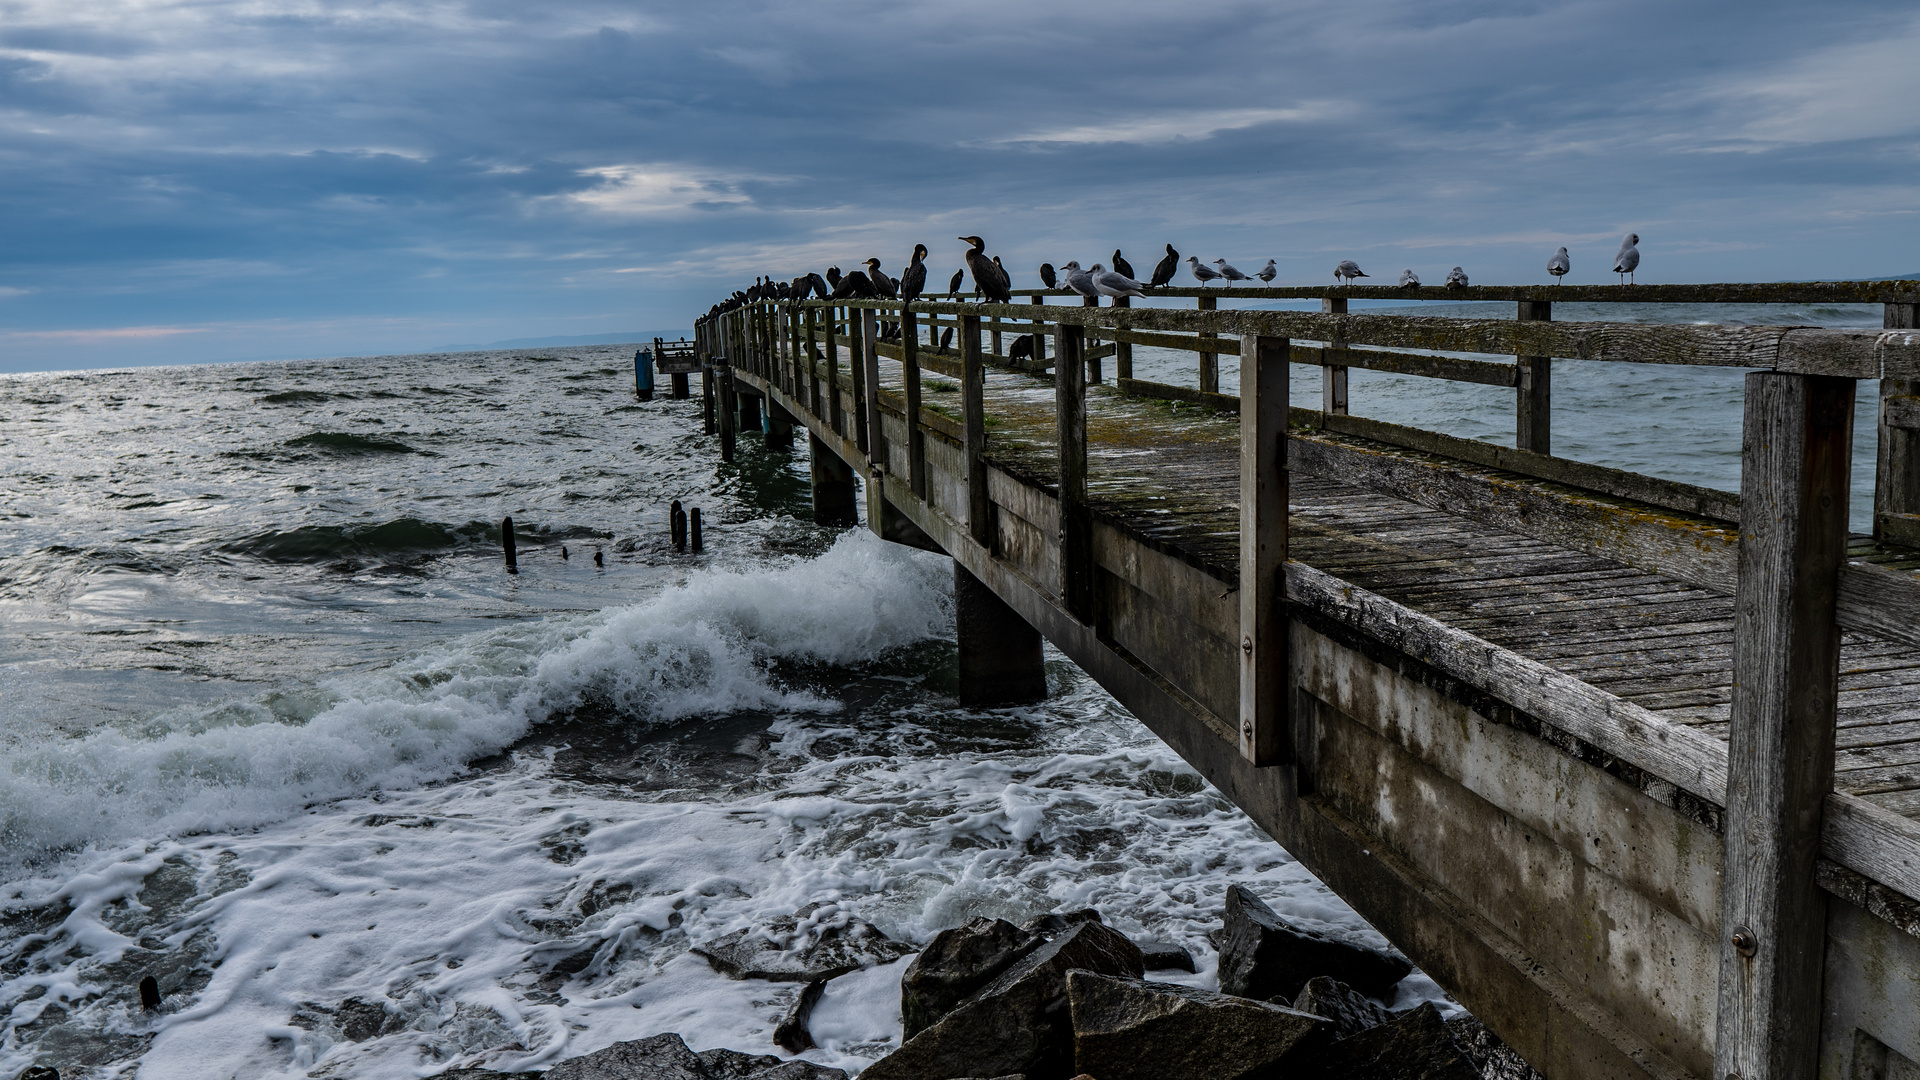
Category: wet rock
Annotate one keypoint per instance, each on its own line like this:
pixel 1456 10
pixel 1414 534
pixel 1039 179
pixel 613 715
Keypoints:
pixel 1414 1045
pixel 1165 956
pixel 791 1034
pixel 1495 1059
pixel 356 1019
pixel 956 963
pixel 1131 1029
pixel 735 1064
pixel 1264 956
pixel 40 1072
pixel 1019 1022
pixel 817 942
pixel 666 1057
pixel 1055 923
pixel 1351 1011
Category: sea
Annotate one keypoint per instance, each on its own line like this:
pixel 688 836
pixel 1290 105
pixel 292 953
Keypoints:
pixel 278 729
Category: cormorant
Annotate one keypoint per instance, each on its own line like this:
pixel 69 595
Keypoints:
pixel 820 286
pixel 1115 283
pixel 1022 348
pixel 1120 265
pixel 1559 265
pixel 1456 278
pixel 953 286
pixel 1268 272
pixel 1163 273
pixel 1201 274
pixel 988 279
pixel 946 340
pixel 913 280
pixel 1227 270
pixel 882 284
pixel 854 286
pixel 1409 279
pixel 1349 270
pixel 1628 258
pixel 1047 277
pixel 833 276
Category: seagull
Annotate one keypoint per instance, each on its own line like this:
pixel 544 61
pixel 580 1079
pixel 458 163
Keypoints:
pixel 1202 274
pixel 1349 270
pixel 1163 273
pixel 988 279
pixel 1628 258
pixel 1227 271
pixel 1079 280
pixel 882 284
pixel 1409 279
pixel 1456 278
pixel 1120 265
pixel 1114 283
pixel 1047 277
pixel 913 280
pixel 953 286
pixel 1267 273
pixel 1559 265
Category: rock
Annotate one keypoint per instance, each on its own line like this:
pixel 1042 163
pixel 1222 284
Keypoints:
pixel 1165 956
pixel 1351 1011
pixel 40 1072
pixel 955 964
pixel 817 942
pixel 1414 1045
pixel 735 1064
pixel 1131 1029
pixel 791 1034
pixel 1495 1059
pixel 1019 1022
pixel 666 1057
pixel 1056 923
pixel 1263 956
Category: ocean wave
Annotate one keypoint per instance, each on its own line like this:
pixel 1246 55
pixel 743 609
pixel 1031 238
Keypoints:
pixel 702 648
pixel 344 442
pixel 318 543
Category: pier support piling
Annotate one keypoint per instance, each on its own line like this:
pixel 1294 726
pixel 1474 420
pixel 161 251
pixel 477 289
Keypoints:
pixel 677 387
pixel 833 496
pixel 1001 662
pixel 750 420
pixel 779 427
pixel 724 376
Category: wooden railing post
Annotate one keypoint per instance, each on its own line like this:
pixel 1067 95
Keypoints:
pixel 1333 377
pixel 1123 350
pixel 997 350
pixel 1533 406
pixel 1209 362
pixel 1070 423
pixel 835 409
pixel 1091 367
pixel 857 361
pixel 1039 332
pixel 876 435
pixel 1265 664
pixel 1796 444
pixel 973 386
pixel 910 377
pixel 811 324
pixel 1896 484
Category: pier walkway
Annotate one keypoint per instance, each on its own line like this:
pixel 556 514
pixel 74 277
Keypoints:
pixel 1631 767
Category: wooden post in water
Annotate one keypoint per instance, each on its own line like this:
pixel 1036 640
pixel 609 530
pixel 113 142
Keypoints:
pixel 779 427
pixel 1896 485
pixel 1533 411
pixel 506 545
pixel 1070 424
pixel 973 386
pixel 910 376
pixel 1796 444
pixel 1209 362
pixel 833 494
pixel 1265 664
pixel 876 442
pixel 676 526
pixel 1001 657
pixel 725 377
pixel 1123 350
pixel 1333 377
pixel 693 529
pixel 706 394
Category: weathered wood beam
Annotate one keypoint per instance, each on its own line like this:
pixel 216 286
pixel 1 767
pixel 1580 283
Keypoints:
pixel 1797 437
pixel 910 379
pixel 1070 414
pixel 835 411
pixel 973 384
pixel 1333 377
pixel 1533 411
pixel 874 439
pixel 1787 292
pixel 1896 488
pixel 1209 360
pixel 1265 665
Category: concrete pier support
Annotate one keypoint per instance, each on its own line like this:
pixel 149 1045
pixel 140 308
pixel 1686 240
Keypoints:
pixel 779 427
pixel 833 480
pixel 1000 657
pixel 677 385
pixel 749 412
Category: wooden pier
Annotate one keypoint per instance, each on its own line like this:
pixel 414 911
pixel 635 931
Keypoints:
pixel 1630 767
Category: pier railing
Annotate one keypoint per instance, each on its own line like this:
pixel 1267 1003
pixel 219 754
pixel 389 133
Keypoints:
pixel 1780 548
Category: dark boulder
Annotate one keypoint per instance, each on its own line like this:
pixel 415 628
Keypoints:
pixel 1351 1011
pixel 1130 1029
pixel 1165 956
pixel 1055 923
pixel 40 1072
pixel 791 1034
pixel 666 1057
pixel 1414 1045
pixel 955 964
pixel 802 947
pixel 1019 1022
pixel 1495 1059
pixel 1264 956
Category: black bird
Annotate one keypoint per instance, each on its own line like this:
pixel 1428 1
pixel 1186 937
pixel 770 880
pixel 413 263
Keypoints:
pixel 833 276
pixel 1047 276
pixel 882 284
pixel 1163 272
pixel 954 285
pixel 1022 348
pixel 946 340
pixel 1120 265
pixel 988 279
pixel 820 286
pixel 913 280
pixel 854 286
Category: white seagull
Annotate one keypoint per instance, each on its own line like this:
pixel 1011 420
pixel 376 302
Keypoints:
pixel 1078 280
pixel 1227 271
pixel 1559 265
pixel 1628 258
pixel 1114 283
pixel 1201 274
pixel 1349 270
pixel 1456 278
pixel 1409 279
pixel 1267 273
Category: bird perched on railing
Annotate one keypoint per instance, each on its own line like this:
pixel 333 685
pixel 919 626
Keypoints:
pixel 1201 274
pixel 1120 265
pixel 833 277
pixel 854 286
pixel 1114 283
pixel 989 280
pixel 1268 272
pixel 1628 258
pixel 819 286
pixel 1047 277
pixel 1021 349
pixel 1079 281
pixel 953 285
pixel 1163 272
pixel 946 339
pixel 1409 279
pixel 1348 270
pixel 882 284
pixel 1559 265
pixel 913 280
pixel 1456 278
pixel 1228 271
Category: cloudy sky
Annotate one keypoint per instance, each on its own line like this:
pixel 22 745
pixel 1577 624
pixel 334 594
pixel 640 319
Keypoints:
pixel 190 180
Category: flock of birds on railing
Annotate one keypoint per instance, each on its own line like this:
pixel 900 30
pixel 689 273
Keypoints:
pixel 992 283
